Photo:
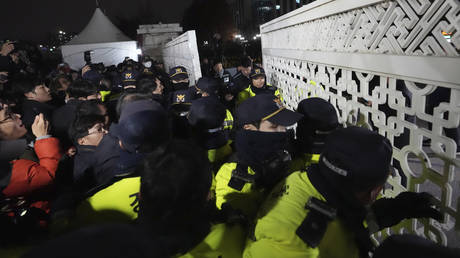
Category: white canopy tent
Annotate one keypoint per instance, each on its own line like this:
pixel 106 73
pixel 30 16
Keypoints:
pixel 105 41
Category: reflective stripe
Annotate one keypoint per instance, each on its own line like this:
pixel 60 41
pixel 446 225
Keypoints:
pixel 177 74
pixel 228 123
pixel 215 130
pixel 337 170
pixel 273 114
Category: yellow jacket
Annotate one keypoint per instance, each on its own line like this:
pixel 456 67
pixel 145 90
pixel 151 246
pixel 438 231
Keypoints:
pixel 223 241
pixel 246 200
pixel 118 202
pixel 280 216
pixel 248 93
pixel 228 122
pixel 301 163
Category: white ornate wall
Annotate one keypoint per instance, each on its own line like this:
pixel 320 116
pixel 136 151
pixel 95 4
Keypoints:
pixel 385 65
pixel 183 51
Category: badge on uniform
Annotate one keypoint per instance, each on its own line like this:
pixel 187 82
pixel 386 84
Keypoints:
pixel 180 98
pixel 313 228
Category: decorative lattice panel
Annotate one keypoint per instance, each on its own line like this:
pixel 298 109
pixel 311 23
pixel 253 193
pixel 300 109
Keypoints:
pixel 183 51
pixel 389 67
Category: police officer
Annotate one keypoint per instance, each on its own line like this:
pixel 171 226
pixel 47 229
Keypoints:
pixel 147 66
pixel 241 80
pixel 319 120
pixel 321 212
pixel 206 117
pixel 209 87
pixel 179 78
pixel 258 86
pixel 261 158
pixel 181 101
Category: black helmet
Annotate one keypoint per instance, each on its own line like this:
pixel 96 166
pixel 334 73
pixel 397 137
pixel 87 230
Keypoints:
pixel 356 159
pixel 319 121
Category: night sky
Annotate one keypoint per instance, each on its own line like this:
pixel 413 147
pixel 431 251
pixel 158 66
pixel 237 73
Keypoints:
pixel 32 20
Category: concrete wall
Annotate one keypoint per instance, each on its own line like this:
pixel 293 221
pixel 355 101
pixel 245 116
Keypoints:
pixel 154 36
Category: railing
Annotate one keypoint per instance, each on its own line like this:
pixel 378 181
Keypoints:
pixel 392 66
pixel 183 51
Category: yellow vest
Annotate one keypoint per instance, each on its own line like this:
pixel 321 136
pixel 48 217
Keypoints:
pixel 248 93
pixel 223 241
pixel 303 162
pixel 246 200
pixel 228 122
pixel 216 157
pixel 118 202
pixel 105 95
pixel 219 155
pixel 280 216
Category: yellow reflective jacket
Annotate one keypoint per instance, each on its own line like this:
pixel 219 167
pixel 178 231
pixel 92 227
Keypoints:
pixel 223 241
pixel 118 202
pixel 301 163
pixel 105 94
pixel 216 157
pixel 228 122
pixel 247 200
pixel 248 93
pixel 219 155
pixel 280 216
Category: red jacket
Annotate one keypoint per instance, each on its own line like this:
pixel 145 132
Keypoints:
pixel 28 177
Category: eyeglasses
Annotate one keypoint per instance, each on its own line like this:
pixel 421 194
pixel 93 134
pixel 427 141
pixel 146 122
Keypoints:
pixel 98 129
pixel 8 116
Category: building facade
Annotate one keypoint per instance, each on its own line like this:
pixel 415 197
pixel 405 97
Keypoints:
pixel 248 15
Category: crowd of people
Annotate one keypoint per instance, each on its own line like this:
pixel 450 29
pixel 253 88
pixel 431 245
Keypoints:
pixel 134 161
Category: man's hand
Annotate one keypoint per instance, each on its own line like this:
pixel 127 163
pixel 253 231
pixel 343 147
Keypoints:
pixel 40 127
pixel 6 48
pixel 85 69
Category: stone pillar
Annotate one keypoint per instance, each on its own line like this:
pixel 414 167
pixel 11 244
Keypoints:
pixel 153 37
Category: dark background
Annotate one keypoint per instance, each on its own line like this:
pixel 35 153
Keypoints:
pixel 34 20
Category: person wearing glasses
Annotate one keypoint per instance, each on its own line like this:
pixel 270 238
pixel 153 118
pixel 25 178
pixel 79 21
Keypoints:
pixel 31 170
pixel 86 133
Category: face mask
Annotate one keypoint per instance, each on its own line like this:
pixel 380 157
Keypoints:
pixel 147 64
pixel 265 153
pixel 256 148
pixel 181 86
pixel 258 90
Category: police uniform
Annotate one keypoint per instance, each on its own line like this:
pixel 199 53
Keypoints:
pixel 211 87
pixel 249 92
pixel 304 161
pixel 223 241
pixel 319 120
pixel 178 73
pixel 236 182
pixel 318 213
pixel 118 202
pixel 282 214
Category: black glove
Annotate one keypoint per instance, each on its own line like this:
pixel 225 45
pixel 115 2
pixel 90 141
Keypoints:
pixel 391 211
